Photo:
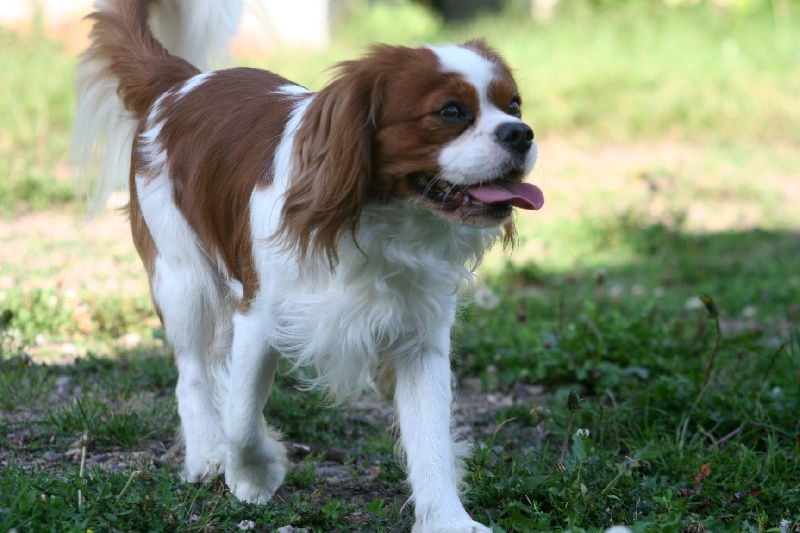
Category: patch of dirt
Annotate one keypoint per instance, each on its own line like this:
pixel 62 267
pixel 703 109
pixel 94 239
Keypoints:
pixel 474 416
pixel 60 250
pixel 718 187
pixel 359 478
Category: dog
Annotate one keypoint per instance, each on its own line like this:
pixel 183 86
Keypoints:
pixel 332 228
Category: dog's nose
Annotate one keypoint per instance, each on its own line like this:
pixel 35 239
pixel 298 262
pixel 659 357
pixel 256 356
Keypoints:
pixel 517 136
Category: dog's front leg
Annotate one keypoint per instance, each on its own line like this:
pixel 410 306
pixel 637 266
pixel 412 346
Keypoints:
pixel 256 461
pixel 423 398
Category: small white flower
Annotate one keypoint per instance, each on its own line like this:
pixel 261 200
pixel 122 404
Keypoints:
pixel 68 349
pixel 694 303
pixel 582 433
pixel 246 525
pixel 750 311
pixel 616 291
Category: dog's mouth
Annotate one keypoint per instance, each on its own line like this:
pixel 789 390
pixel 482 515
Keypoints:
pixel 495 198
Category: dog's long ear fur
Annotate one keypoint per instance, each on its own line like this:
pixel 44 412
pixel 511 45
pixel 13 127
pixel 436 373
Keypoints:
pixel 332 163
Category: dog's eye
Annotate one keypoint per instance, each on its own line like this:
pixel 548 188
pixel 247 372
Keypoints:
pixel 514 109
pixel 452 112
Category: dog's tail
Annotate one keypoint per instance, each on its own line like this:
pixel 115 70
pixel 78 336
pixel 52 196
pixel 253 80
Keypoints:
pixel 126 69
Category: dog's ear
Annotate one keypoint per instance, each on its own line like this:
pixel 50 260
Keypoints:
pixel 332 168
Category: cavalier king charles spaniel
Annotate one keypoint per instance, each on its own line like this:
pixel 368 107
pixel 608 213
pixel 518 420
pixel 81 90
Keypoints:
pixel 330 228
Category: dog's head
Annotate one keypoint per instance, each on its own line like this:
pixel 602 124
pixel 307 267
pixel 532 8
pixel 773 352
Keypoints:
pixel 439 127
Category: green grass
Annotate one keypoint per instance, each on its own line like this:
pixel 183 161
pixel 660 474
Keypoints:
pixel 36 114
pixel 668 151
pixel 638 361
pixel 625 72
pixel 636 70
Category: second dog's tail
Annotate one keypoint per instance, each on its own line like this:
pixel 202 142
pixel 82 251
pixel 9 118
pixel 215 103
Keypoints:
pixel 126 69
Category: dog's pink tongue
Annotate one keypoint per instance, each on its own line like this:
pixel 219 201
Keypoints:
pixel 522 195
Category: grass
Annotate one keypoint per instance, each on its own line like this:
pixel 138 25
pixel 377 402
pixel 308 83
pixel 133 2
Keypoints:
pixel 668 156
pixel 631 71
pixel 637 360
pixel 36 114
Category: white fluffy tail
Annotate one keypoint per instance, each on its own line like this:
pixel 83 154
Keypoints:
pixel 200 31
pixel 102 137
pixel 196 30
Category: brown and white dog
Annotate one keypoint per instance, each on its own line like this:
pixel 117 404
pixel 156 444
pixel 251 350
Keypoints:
pixel 332 228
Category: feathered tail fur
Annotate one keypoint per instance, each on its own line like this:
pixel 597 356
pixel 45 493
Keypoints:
pixel 126 68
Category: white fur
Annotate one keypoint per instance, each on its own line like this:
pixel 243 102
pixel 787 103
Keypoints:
pixel 102 135
pixel 475 68
pixel 345 323
pixel 194 83
pixel 185 289
pixel 197 30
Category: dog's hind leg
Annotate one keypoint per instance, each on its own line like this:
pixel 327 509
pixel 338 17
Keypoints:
pixel 189 327
pixel 256 462
pixel 186 292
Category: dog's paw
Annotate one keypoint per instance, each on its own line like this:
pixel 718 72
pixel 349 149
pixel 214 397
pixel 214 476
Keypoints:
pixel 204 467
pixel 450 527
pixel 258 485
pixel 254 477
pixel 252 493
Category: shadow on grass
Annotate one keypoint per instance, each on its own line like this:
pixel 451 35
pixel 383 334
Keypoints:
pixel 741 269
pixel 637 343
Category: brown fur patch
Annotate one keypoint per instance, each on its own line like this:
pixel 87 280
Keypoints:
pixel 142 239
pixel 332 163
pixel 221 139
